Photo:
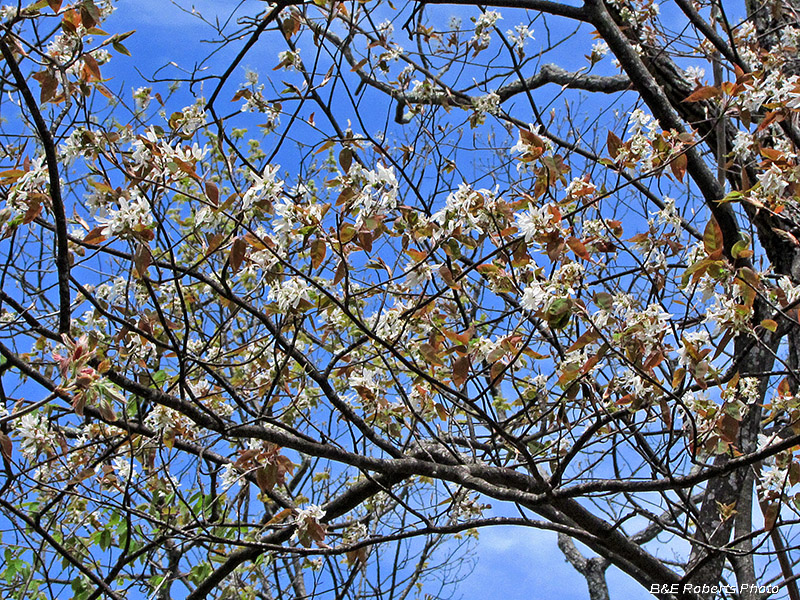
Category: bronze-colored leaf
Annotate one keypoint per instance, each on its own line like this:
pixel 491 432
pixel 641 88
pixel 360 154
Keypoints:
pixel 48 83
pixel 460 371
pixel 95 236
pixel 712 239
pixel 318 250
pixel 212 192
pixel 614 144
pixel 703 93
pixel 678 166
pixel 92 68
pixel 142 260
pixel 6 447
pixel 238 249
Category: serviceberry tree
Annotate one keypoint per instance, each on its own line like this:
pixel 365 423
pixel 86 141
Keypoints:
pixel 306 328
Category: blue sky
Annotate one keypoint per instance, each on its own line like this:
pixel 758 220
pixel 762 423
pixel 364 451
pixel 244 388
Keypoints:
pixel 526 564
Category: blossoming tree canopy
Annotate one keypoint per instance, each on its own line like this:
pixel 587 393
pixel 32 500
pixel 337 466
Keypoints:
pixel 308 328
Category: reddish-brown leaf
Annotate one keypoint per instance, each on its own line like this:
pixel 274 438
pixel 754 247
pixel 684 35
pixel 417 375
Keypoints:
pixel 447 277
pixel 770 511
pixel 496 372
pixel 78 403
pixel 90 15
pixel 95 236
pixel 265 479
pixel 365 240
pixel 49 85
pixel 614 144
pixel 5 445
pixel 460 371
pixel 678 166
pixel 341 269
pixel 712 239
pixel 578 248
pixel 212 192
pixel 142 260
pixel 346 159
pixel 318 250
pixel 238 250
pixel 771 117
pixel 703 93
pixel 92 68
pixel 33 211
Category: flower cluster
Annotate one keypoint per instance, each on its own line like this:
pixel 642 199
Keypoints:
pixel 308 525
pixel 266 187
pixel 132 217
pixel 30 186
pixel 483 105
pixel 726 313
pixel 536 222
pixel 289 293
pixel 37 435
pixel 377 191
pixel 289 59
pixel 483 28
pixel 463 208
pixel 519 36
pixel 540 295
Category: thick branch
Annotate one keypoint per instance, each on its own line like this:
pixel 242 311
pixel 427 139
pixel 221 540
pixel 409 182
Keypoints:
pixel 551 73
pixel 593 569
pixel 554 8
pixel 59 214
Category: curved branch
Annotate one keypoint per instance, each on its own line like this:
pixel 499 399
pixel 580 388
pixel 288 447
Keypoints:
pixel 553 8
pixel 552 73
pixel 59 213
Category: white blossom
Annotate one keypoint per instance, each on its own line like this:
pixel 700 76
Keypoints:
pixel 579 187
pixel 489 104
pixel 355 533
pixel 698 340
pixel 669 214
pixel 535 222
pixel 35 179
pixel 742 145
pixel 535 297
pixel 417 273
pixel 162 418
pixel 519 35
pixel 265 186
pixel 484 346
pixel 379 191
pixel 773 477
pixel 8 12
pixel 369 379
pixel 792 291
pixel 288 294
pixel 36 435
pixel 600 49
pixel 483 27
pixel 725 312
pixel 132 216
pixel 648 326
pixel 772 181
pixel 124 468
pixel 305 517
pixel 695 73
pixel 459 209
pixel 230 477
pixel 289 59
